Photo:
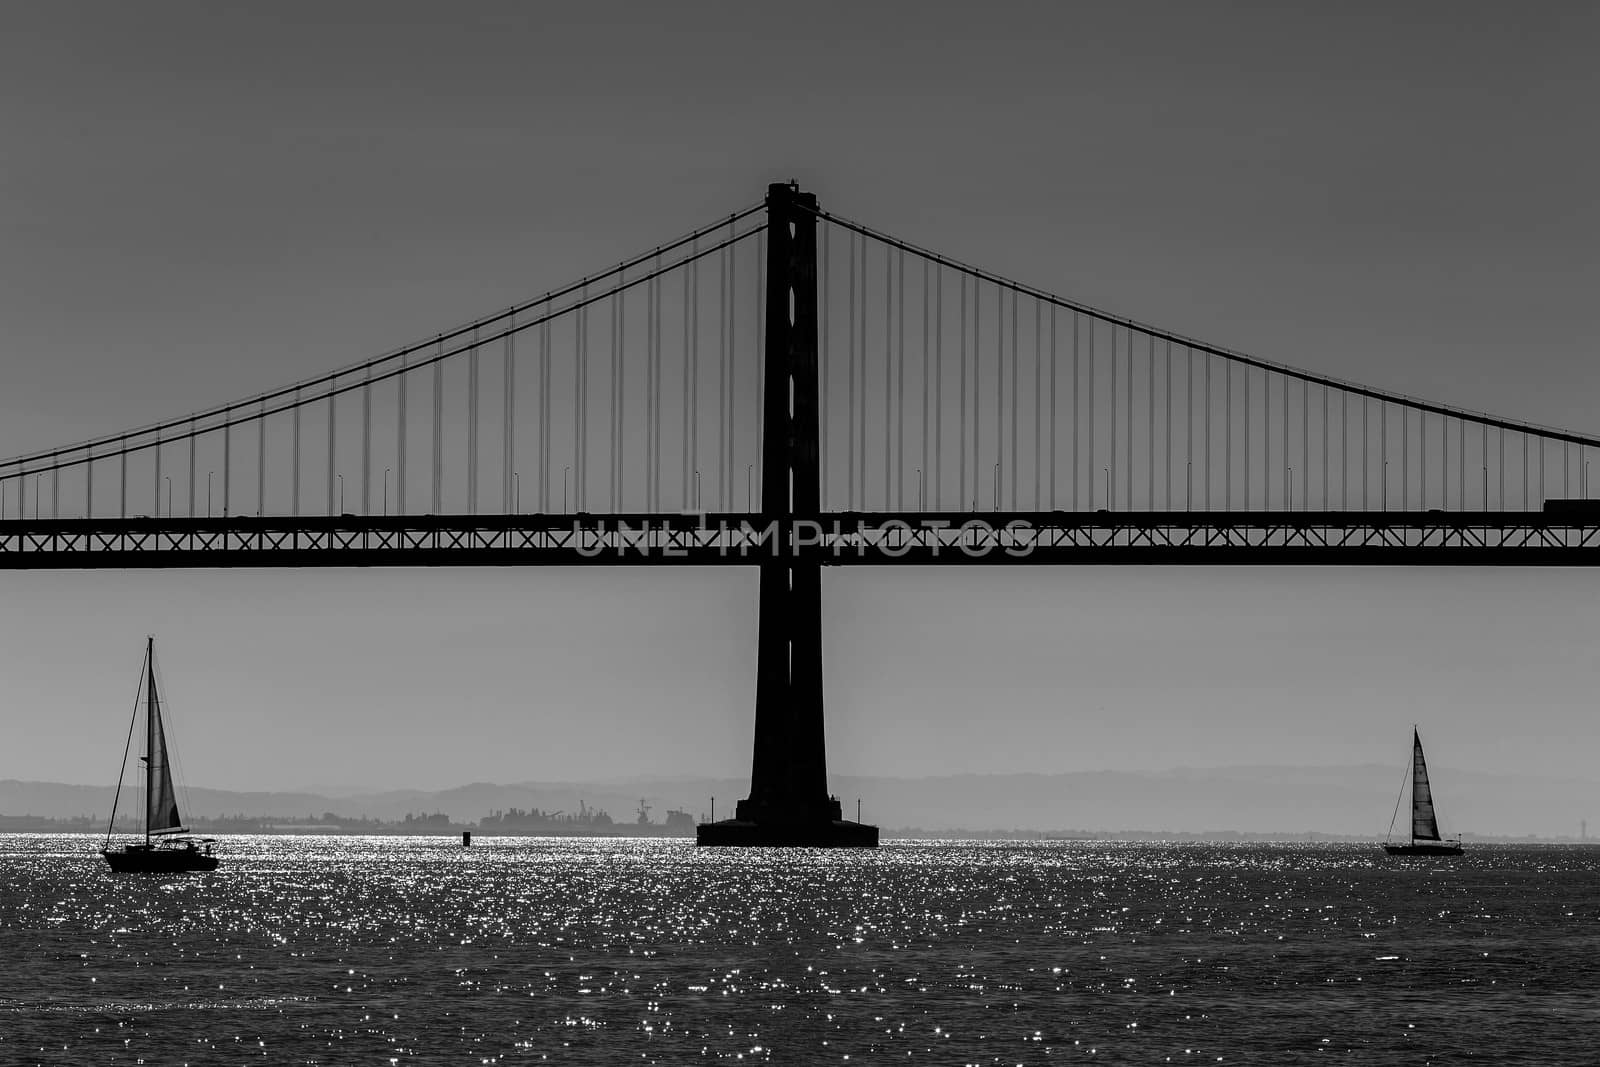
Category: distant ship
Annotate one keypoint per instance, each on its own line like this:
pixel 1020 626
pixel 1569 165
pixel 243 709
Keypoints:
pixel 164 850
pixel 1425 840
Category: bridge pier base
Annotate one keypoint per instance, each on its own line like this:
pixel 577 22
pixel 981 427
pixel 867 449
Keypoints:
pixel 789 805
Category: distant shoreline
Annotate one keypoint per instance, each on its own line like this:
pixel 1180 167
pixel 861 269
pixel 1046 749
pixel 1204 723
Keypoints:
pixel 24 826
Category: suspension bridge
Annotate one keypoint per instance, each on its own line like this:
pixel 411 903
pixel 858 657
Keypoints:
pixel 789 389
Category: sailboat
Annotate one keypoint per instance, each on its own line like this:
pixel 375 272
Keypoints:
pixel 164 850
pixel 1425 840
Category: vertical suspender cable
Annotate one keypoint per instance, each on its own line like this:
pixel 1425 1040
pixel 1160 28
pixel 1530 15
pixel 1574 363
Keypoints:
pixel 1227 443
pixel 655 500
pixel 1344 451
pixel 1077 389
pixel 1088 412
pixel 1324 448
pixel 732 252
pixel 1038 387
pixel 689 291
pixel 614 454
pixel 400 441
pixel 977 389
pixel 1167 441
pixel 1116 374
pixel 861 410
pixel 1149 422
pixel 1000 420
pixel 622 394
pixel 508 418
pixel 850 344
pixel 366 449
pixel 546 336
pixel 1127 472
pixel 294 503
pixel 1053 391
pixel 472 425
pixel 826 330
pixel 652 353
pixel 1405 457
pixel 690 497
pixel 333 408
pixel 261 461
pixel 1206 421
pixel 927 354
pixel 580 464
pixel 961 422
pixel 723 342
pixel 759 347
pixel 438 432
pixel 900 383
pixel 192 441
pixel 938 387
pixel 1366 454
pixel 1016 413
pixel 888 378
pixel 1500 440
pixel 1422 458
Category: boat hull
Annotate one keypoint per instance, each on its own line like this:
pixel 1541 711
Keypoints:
pixel 1439 849
pixel 137 859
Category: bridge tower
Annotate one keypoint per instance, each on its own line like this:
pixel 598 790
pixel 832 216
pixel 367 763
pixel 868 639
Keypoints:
pixel 789 803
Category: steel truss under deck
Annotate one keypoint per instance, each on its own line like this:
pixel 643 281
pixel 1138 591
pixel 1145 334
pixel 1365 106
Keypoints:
pixel 829 539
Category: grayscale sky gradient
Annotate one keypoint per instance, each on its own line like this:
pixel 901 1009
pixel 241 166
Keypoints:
pixel 202 201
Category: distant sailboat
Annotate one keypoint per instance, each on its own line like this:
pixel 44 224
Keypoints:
pixel 1425 840
pixel 163 851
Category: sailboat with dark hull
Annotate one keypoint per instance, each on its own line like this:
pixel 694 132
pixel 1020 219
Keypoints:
pixel 1425 839
pixel 165 849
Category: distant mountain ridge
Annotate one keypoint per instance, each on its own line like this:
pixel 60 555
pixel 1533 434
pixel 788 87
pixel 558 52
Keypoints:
pixel 1350 800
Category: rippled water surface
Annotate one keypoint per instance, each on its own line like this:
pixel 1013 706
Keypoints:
pixel 387 950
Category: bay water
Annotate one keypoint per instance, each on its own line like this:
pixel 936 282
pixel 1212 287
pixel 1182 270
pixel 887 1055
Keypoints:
pixel 389 950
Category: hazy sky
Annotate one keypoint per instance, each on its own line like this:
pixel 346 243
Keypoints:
pixel 198 202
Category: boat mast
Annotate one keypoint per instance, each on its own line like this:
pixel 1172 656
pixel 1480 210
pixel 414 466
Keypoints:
pixel 149 733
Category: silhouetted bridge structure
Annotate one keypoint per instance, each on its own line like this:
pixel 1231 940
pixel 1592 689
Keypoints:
pixel 867 401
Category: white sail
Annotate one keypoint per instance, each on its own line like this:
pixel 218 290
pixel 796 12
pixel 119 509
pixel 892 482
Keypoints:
pixel 1424 824
pixel 161 799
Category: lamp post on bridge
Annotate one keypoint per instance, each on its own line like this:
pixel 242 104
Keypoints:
pixel 208 492
pixel 341 492
pixel 565 472
pixel 516 482
pixel 158 503
pixel 386 490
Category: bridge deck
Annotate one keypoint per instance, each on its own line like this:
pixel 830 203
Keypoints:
pixel 833 539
